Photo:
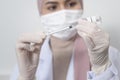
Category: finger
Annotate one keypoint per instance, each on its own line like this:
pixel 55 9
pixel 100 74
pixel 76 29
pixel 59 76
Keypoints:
pixel 35 48
pixel 22 53
pixel 84 32
pixel 32 37
pixel 83 21
pixel 89 29
pixel 35 58
pixel 22 45
pixel 88 21
pixel 25 47
pixel 88 40
pixel 85 28
pixel 36 53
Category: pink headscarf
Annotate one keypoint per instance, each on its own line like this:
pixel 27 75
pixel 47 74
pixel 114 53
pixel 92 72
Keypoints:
pixel 39 2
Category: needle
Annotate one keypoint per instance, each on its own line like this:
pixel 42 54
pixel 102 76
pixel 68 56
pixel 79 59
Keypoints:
pixel 60 30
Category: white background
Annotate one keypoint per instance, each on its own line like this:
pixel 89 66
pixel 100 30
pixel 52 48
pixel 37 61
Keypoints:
pixel 18 16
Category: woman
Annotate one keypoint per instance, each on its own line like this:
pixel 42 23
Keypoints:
pixel 70 48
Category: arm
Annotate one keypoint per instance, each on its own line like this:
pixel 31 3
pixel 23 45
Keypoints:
pixel 97 42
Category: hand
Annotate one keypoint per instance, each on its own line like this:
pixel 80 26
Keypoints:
pixel 28 51
pixel 97 42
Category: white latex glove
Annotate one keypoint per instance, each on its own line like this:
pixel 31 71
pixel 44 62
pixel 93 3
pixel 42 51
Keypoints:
pixel 28 51
pixel 97 42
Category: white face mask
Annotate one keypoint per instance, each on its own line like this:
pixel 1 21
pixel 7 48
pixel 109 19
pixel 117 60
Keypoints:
pixel 60 20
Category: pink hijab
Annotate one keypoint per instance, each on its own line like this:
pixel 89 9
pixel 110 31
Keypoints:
pixel 81 60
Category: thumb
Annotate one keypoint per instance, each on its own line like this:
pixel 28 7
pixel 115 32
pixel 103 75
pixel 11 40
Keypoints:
pixel 87 39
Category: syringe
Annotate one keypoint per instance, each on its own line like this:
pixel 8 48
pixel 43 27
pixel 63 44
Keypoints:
pixel 93 19
pixel 66 28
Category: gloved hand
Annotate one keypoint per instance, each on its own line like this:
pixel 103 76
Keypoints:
pixel 28 51
pixel 97 42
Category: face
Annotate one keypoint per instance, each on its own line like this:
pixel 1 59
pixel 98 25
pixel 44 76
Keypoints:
pixel 50 6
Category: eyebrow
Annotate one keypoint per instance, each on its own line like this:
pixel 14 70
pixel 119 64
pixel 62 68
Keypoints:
pixel 51 2
pixel 67 0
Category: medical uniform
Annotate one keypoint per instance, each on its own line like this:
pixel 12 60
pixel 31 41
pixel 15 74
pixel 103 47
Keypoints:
pixel 45 70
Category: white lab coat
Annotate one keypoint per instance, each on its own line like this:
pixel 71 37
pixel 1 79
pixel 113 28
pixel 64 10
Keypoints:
pixel 44 71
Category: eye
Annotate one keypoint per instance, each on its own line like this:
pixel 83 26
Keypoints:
pixel 52 8
pixel 71 4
